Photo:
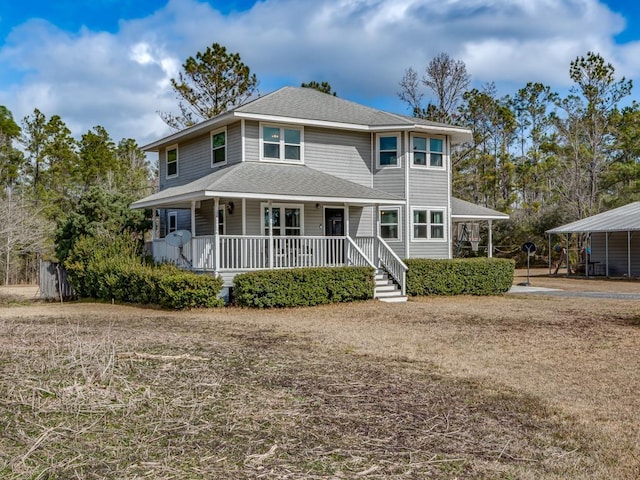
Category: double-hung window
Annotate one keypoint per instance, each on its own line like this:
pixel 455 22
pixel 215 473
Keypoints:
pixel 172 161
pixel 218 148
pixel 428 223
pixel 388 153
pixel 282 144
pixel 428 152
pixel 389 223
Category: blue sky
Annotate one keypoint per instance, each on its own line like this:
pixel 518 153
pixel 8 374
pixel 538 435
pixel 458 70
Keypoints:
pixel 108 62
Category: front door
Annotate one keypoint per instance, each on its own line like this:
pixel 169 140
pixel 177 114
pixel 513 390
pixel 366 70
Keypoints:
pixel 334 222
pixel 334 227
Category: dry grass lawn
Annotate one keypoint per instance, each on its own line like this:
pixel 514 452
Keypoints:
pixel 526 387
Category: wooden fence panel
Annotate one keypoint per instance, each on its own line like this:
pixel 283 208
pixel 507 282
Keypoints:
pixel 53 282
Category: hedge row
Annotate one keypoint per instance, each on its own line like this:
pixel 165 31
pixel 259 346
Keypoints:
pixel 303 286
pixel 117 272
pixel 473 276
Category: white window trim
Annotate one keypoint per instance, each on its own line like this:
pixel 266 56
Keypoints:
pixel 445 156
pixel 379 222
pixel 265 228
pixel 166 161
pixel 444 224
pixel 172 214
pixel 226 146
pixel 282 127
pixel 398 150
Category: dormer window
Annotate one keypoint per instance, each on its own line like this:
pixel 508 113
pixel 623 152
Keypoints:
pixel 281 144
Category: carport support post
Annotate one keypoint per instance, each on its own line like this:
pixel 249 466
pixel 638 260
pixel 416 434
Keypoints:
pixel 606 252
pixel 568 266
pixel 628 253
pixel 549 237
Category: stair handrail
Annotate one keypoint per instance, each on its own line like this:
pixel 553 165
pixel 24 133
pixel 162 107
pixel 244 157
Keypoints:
pixel 392 263
pixel 355 246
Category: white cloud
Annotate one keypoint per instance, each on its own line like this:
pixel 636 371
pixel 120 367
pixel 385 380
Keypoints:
pixel 362 47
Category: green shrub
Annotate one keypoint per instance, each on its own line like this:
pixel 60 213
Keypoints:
pixel 303 286
pixel 473 276
pixel 114 269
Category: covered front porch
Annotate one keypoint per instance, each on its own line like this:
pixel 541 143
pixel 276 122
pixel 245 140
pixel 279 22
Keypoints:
pixel 310 220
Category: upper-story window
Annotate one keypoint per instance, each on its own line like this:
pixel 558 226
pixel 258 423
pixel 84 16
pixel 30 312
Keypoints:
pixel 428 151
pixel 172 161
pixel 283 144
pixel 219 147
pixel 388 153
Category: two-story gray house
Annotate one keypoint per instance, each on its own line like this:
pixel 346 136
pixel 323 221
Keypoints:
pixel 299 178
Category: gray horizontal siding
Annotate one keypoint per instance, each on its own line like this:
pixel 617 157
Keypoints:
pixel 428 188
pixel 252 141
pixel 343 154
pixel 194 157
pixel 429 249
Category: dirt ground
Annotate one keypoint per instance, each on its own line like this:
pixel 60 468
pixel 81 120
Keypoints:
pixel 557 378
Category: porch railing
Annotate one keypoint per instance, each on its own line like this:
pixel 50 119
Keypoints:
pixel 379 252
pixel 241 252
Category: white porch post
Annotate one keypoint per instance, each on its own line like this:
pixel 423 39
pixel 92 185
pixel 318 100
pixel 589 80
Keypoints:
pixel 244 214
pixel 270 234
pixel 490 252
pixel 216 234
pixel 154 233
pixel 346 220
pixel 193 218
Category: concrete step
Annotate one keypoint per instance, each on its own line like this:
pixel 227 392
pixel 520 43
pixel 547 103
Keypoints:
pixel 398 299
pixel 389 287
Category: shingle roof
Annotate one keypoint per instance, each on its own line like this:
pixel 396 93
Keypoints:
pixel 307 104
pixel 622 219
pixel 310 104
pixel 463 210
pixel 268 180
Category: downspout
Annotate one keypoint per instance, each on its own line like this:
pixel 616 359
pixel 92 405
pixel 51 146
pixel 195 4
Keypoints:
pixel 449 192
pixel 407 208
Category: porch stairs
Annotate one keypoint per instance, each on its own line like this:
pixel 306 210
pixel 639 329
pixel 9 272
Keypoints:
pixel 386 290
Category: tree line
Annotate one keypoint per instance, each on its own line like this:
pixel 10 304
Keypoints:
pixel 45 173
pixel 542 157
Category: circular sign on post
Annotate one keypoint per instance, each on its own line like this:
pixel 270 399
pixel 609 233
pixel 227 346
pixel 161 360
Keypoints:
pixel 529 248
